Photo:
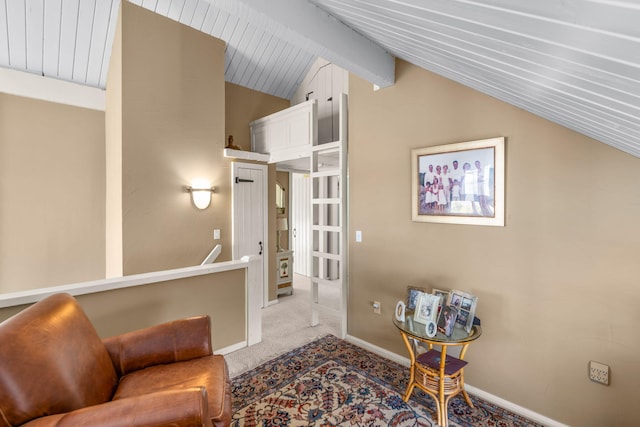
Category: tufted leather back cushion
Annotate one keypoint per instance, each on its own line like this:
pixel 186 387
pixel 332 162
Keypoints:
pixel 51 361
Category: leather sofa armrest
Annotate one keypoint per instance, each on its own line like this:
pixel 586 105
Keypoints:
pixel 171 342
pixel 176 407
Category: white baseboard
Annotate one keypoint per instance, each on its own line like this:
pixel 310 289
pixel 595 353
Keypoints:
pixel 498 401
pixel 231 348
pixel 272 302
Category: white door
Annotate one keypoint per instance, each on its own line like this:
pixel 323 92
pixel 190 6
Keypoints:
pixel 249 183
pixel 300 228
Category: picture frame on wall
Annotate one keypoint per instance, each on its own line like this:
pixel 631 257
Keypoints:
pixel 461 183
pixel 466 304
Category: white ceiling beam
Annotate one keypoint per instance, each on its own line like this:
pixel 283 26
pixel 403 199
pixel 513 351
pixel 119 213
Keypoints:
pixel 305 25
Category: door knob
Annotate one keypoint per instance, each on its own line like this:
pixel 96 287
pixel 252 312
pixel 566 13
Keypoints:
pixel 260 243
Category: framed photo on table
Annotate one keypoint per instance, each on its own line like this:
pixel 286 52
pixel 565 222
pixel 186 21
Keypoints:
pixel 413 294
pixel 426 308
pixel 447 320
pixel 443 297
pixel 461 183
pixel 465 304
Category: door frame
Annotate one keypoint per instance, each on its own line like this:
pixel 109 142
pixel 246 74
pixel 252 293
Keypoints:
pixel 265 218
pixel 303 206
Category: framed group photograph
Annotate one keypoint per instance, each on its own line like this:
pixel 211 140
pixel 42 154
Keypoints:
pixel 465 304
pixel 461 183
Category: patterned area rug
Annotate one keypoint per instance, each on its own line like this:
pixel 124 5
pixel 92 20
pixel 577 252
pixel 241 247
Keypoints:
pixel 331 382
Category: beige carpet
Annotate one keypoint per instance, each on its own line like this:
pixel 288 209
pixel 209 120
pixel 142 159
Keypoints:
pixel 286 326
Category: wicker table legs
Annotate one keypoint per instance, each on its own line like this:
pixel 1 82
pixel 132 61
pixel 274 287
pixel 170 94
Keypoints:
pixel 434 381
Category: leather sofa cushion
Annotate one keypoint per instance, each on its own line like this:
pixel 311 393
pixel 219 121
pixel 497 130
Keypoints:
pixel 52 362
pixel 208 371
pixel 175 408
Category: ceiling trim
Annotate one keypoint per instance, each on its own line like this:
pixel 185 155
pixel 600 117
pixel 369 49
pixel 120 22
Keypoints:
pixel 19 83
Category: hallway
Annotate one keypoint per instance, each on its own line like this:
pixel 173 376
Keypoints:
pixel 286 325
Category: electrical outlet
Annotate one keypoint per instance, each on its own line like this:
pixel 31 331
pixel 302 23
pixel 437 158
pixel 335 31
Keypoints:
pixel 376 307
pixel 599 372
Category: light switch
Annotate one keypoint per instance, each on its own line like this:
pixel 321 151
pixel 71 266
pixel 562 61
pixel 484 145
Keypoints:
pixel 216 234
pixel 358 236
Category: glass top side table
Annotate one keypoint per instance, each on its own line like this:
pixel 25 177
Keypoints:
pixel 437 374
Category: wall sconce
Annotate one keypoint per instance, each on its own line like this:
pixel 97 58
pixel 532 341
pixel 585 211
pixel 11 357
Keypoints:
pixel 281 225
pixel 201 192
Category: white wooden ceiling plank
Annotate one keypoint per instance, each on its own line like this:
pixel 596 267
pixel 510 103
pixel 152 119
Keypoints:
pixel 68 31
pixel 535 72
pixel 99 34
pixel 234 42
pixel 615 17
pixel 370 21
pixel 136 2
pixel 16 30
pixel 86 17
pixel 521 85
pixel 189 8
pixel 209 20
pixel 293 74
pixel 514 93
pixel 220 24
pixel 597 131
pixel 35 34
pixel 266 47
pixel 587 46
pixel 51 41
pixel 229 28
pixel 199 14
pixel 111 32
pixel 148 4
pixel 270 62
pixel 162 7
pixel 283 68
pixel 251 63
pixel 308 27
pixel 247 47
pixel 555 33
pixel 4 33
pixel 175 9
pixel 276 60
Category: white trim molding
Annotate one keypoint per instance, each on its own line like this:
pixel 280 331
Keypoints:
pixel 20 83
pixel 498 401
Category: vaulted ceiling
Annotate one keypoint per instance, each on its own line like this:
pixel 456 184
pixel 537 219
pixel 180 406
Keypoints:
pixel 574 62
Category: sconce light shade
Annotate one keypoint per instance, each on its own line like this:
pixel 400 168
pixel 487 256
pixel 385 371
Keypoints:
pixel 281 224
pixel 201 194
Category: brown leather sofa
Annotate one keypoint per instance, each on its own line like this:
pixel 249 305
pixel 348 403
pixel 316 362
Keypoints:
pixel 56 371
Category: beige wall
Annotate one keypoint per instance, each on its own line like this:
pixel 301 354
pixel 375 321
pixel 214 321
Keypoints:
pixel 220 295
pixel 52 191
pixel 242 106
pixel 557 286
pixel 173 108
